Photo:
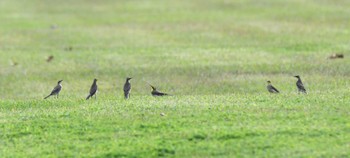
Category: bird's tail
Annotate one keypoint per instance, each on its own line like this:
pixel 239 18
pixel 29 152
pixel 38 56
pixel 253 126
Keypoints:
pixel 88 97
pixel 47 96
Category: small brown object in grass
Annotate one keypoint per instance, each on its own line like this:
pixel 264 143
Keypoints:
pixel 336 56
pixel 70 48
pixel 49 59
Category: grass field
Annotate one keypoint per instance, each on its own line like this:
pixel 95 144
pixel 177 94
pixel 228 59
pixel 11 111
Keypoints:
pixel 214 56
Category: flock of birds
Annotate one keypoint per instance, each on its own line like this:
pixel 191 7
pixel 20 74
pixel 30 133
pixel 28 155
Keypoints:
pixel 127 86
pixel 127 89
pixel 93 90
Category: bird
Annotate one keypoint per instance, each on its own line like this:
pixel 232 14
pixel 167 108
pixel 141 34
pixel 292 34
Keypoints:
pixel 53 27
pixel 336 56
pixel 56 91
pixel 156 93
pixel 127 88
pixel 93 90
pixel 69 48
pixel 49 59
pixel 300 85
pixel 13 63
pixel 271 88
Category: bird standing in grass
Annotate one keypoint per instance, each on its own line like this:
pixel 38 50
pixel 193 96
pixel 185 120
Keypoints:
pixel 156 93
pixel 300 85
pixel 271 88
pixel 56 91
pixel 127 88
pixel 49 59
pixel 93 90
pixel 13 63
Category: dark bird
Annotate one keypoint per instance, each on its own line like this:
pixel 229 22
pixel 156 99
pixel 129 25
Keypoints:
pixel 93 90
pixel 127 88
pixel 336 56
pixel 156 93
pixel 49 59
pixel 70 48
pixel 56 91
pixel 300 85
pixel 271 88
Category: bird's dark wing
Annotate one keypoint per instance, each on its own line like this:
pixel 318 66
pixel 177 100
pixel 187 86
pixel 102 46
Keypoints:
pixel 56 90
pixel 301 86
pixel 156 93
pixel 93 89
pixel 274 89
pixel 127 87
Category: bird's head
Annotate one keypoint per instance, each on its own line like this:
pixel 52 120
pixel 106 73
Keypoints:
pixel 297 76
pixel 128 78
pixel 153 88
pixel 95 80
pixel 268 82
pixel 59 81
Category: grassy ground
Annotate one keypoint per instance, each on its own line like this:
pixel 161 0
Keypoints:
pixel 214 56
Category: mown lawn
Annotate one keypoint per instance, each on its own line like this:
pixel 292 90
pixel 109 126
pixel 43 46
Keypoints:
pixel 213 56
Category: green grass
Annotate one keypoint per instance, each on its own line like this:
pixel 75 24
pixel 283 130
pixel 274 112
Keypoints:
pixel 214 56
